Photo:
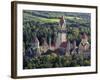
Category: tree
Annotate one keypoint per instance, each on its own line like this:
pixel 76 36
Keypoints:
pixel 75 32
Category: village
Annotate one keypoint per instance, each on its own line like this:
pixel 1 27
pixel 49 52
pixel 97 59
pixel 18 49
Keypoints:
pixel 60 46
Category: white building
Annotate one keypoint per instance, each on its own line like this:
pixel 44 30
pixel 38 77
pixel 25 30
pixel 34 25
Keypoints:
pixel 84 44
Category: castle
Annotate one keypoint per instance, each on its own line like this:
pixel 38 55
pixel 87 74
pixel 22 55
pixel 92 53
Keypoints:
pixel 61 39
pixel 64 46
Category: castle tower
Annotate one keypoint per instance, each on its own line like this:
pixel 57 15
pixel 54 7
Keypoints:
pixel 61 32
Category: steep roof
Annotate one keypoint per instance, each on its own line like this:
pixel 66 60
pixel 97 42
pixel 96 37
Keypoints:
pixel 62 20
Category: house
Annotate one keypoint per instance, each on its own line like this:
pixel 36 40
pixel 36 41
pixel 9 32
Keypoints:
pixel 34 49
pixel 84 46
pixel 44 46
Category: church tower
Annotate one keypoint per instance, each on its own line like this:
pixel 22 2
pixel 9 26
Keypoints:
pixel 61 33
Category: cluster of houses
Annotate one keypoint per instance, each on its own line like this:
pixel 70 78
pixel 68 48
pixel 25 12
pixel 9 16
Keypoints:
pixel 62 45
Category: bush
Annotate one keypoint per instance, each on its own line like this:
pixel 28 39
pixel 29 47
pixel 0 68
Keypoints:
pixel 86 62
